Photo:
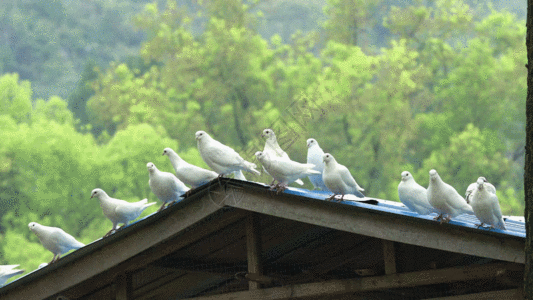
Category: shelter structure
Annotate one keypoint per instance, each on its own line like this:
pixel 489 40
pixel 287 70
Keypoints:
pixel 232 239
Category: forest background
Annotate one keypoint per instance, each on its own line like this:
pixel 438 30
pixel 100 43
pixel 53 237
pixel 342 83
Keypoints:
pixel 92 90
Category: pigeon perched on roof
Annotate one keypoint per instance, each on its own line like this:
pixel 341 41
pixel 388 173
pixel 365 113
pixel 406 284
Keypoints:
pixel 338 179
pixel 165 186
pixel 8 271
pixel 221 158
pixel 315 156
pixel 486 206
pixel 273 149
pixel 473 187
pixel 445 199
pixel 119 211
pixel 188 173
pixel 284 170
pixel 413 195
pixel 55 239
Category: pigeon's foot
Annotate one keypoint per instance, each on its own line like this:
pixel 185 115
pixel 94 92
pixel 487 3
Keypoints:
pixel 109 233
pixel 280 188
pixel 162 207
pixel 438 218
pixel 332 198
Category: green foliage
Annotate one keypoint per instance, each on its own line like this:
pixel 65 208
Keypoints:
pixel 444 88
pixel 15 97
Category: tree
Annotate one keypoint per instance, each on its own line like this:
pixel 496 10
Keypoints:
pixel 528 167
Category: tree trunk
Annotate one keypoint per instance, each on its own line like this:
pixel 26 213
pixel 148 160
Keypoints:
pixel 528 174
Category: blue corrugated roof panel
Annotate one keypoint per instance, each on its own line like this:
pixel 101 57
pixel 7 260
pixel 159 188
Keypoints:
pixel 514 227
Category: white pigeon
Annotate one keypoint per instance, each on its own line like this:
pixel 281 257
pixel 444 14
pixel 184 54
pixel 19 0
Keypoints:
pixel 413 195
pixel 273 149
pixel 473 187
pixel 221 158
pixel 445 199
pixel 239 175
pixel 338 179
pixel 119 211
pixel 55 239
pixel 486 206
pixel 315 156
pixel 189 174
pixel 8 271
pixel 167 187
pixel 284 170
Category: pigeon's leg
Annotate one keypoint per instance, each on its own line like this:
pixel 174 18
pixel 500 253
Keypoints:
pixel 54 259
pixel 273 180
pixel 162 207
pixel 331 198
pixel 479 225
pixel 438 218
pixel 446 219
pixel 342 198
pixel 109 232
pixel 281 187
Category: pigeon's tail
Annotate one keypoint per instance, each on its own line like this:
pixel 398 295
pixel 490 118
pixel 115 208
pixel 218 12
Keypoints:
pixel 359 194
pixel 15 272
pixel 239 175
pixel 468 210
pixel 146 205
pixel 78 245
pixel 250 167
pixel 501 224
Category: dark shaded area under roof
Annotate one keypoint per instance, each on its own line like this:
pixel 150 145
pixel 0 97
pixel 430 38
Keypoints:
pixel 206 247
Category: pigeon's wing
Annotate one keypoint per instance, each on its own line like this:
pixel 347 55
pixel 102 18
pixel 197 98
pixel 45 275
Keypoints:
pixel 490 188
pixel 129 211
pixel 64 240
pixel 495 205
pixel 470 192
pixel 347 177
pixel 223 155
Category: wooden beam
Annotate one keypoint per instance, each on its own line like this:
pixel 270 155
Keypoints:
pixel 254 250
pixel 102 261
pixel 382 225
pixel 123 287
pixel 377 283
pixel 389 257
pixel 504 294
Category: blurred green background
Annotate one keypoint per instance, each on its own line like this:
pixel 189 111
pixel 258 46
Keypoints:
pixel 92 90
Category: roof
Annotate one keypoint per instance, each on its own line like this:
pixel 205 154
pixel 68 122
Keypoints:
pixel 200 247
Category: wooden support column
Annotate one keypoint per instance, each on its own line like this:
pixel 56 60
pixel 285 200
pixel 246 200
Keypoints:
pixel 389 257
pixel 124 289
pixel 253 244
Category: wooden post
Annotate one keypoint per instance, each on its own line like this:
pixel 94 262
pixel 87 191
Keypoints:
pixel 389 257
pixel 123 286
pixel 253 244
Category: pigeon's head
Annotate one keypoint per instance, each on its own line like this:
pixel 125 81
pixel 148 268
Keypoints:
pixel 480 181
pixel 311 142
pixel 268 133
pixel 32 226
pixel 433 174
pixel 97 193
pixel 200 135
pixel 327 158
pixel 406 176
pixel 167 151
pixel 151 167
pixel 261 156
